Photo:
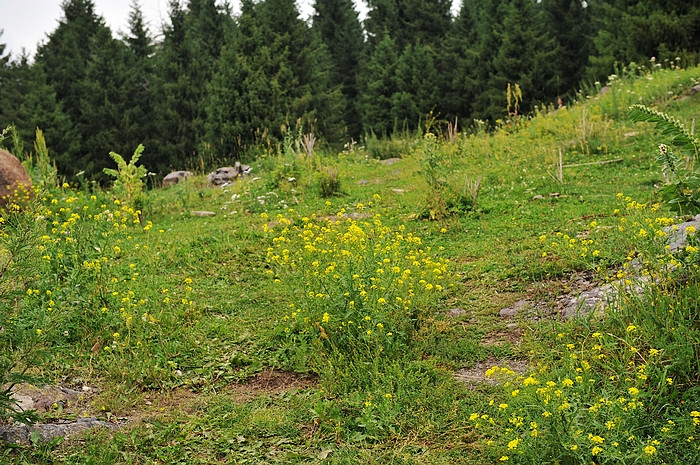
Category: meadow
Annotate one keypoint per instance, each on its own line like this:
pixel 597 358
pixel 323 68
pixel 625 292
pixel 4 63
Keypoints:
pixel 321 314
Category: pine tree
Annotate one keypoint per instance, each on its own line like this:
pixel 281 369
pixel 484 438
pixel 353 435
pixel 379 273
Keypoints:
pixel 569 23
pixel 272 75
pixel 524 57
pixel 337 23
pixel 138 118
pixel 378 86
pixel 104 105
pixel 408 21
pixel 632 31
pixel 417 88
pixel 458 64
pixel 84 65
pixel 481 57
pixel 184 67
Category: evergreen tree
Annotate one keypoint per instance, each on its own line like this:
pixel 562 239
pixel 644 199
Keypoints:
pixel 458 62
pixel 40 108
pixel 632 31
pixel 417 88
pixel 272 75
pixel 524 57
pixel 481 57
pixel 337 23
pixel 138 118
pixel 184 68
pixel 84 65
pixel 103 105
pixel 378 86
pixel 408 21
pixel 569 23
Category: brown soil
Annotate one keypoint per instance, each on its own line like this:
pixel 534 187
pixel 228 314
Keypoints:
pixel 271 382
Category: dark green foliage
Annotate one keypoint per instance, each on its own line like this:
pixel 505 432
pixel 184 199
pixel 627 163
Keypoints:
pixel 569 24
pixel 458 64
pixel 378 85
pixel 139 113
pixel 340 30
pixel 524 57
pixel 212 87
pixel 417 91
pixel 408 21
pixel 630 31
pixel 272 75
pixel 184 68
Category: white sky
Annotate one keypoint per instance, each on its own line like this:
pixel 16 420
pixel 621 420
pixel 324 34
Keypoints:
pixel 27 22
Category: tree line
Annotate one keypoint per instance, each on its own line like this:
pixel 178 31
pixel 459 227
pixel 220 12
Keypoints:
pixel 213 86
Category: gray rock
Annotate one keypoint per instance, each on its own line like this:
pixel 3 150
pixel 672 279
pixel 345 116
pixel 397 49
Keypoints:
pixel 456 312
pixel 695 89
pixel 679 238
pixel 19 433
pixel 397 190
pixel 514 309
pixel 42 398
pixel 362 182
pixel 228 174
pixel 202 213
pixel 176 177
pixel 389 161
pixel 12 175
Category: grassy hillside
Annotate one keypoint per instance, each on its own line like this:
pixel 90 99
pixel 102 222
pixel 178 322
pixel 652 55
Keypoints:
pixel 321 315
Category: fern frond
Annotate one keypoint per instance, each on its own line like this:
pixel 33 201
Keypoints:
pixel 668 125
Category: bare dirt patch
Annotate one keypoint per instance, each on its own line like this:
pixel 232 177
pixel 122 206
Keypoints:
pixel 271 382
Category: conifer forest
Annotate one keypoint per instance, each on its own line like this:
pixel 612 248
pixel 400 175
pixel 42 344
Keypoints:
pixel 209 85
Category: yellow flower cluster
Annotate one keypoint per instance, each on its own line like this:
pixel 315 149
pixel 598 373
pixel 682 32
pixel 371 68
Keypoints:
pixel 362 280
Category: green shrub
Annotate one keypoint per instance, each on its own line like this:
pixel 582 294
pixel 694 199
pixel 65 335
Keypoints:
pixel 359 290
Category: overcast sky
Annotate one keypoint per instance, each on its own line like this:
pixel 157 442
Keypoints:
pixel 27 22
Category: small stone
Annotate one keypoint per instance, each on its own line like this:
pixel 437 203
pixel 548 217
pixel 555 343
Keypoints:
pixel 695 89
pixel 397 190
pixel 513 310
pixel 202 213
pixel 362 182
pixel 389 161
pixel 176 177
pixel 456 312
pixel 512 325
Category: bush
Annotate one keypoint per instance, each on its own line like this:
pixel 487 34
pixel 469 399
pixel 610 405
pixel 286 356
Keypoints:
pixel 358 291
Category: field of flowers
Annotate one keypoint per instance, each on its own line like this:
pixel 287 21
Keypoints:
pixel 321 314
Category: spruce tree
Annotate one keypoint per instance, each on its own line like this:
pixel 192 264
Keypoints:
pixel 408 21
pixel 632 31
pixel 184 67
pixel 524 57
pixel 378 86
pixel 138 118
pixel 569 23
pixel 458 62
pixel 337 23
pixel 84 65
pixel 417 89
pixel 272 75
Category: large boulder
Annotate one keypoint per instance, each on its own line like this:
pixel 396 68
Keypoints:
pixel 13 178
pixel 228 174
pixel 176 177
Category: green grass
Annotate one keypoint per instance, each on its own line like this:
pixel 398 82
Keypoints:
pixel 170 319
